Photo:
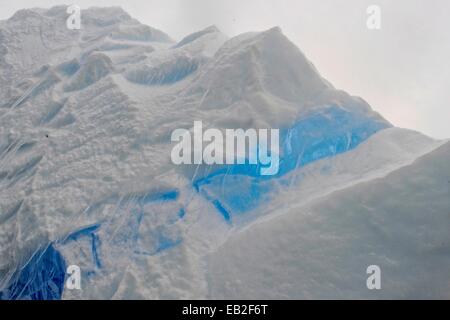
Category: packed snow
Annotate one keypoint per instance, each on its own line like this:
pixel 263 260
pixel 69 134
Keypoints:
pixel 86 177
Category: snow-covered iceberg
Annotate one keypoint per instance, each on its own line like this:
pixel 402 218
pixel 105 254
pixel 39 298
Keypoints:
pixel 86 177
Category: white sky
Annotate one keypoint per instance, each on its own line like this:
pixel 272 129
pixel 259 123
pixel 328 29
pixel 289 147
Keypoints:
pixel 402 70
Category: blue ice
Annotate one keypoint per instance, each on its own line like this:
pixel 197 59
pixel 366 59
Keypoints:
pixel 40 278
pixel 236 189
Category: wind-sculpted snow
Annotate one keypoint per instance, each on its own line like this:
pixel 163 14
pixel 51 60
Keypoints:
pixel 195 36
pixel 96 67
pixel 165 73
pixel 139 33
pixel 85 172
pixel 135 226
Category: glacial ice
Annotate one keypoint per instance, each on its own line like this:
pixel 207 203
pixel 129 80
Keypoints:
pixel 325 134
pixel 40 278
pixel 86 178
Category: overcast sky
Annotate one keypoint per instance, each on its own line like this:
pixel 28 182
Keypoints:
pixel 402 70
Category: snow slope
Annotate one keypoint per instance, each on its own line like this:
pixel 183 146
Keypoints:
pixel 85 170
pixel 399 222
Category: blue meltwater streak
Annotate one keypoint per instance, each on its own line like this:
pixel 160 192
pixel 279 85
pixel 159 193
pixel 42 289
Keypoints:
pixel 236 189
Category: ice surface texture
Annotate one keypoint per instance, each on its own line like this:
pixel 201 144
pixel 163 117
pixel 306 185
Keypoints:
pixel 321 135
pixel 86 176
pixel 41 278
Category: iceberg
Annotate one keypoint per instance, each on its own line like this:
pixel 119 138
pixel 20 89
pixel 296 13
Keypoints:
pixel 86 177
